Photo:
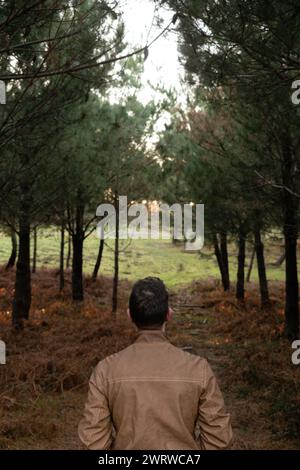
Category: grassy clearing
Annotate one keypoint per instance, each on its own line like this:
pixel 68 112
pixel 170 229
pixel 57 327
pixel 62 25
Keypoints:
pixel 147 257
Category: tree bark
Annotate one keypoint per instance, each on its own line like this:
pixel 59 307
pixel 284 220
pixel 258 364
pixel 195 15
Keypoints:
pixel 22 293
pixel 224 257
pixel 34 257
pixel 77 260
pixel 290 229
pixel 240 285
pixel 261 267
pixel 250 265
pixel 116 262
pixel 98 260
pixel 61 257
pixel 220 262
pixel 13 255
pixel 280 260
pixel 68 260
pixel 291 276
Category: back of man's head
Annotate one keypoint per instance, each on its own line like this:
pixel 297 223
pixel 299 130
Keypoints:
pixel 148 303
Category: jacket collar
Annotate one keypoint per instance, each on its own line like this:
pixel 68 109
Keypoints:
pixel 149 336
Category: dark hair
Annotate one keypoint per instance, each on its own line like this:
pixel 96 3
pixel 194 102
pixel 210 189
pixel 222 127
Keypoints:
pixel 148 303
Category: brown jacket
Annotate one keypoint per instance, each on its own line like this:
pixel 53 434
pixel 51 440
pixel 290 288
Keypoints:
pixel 153 395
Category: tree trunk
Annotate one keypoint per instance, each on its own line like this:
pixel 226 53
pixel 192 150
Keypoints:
pixel 280 260
pixel 116 263
pixel 77 260
pixel 250 265
pixel 98 261
pixel 13 255
pixel 220 262
pixel 224 257
pixel 240 285
pixel 292 297
pixel 61 257
pixel 290 208
pixel 22 293
pixel 68 261
pixel 261 267
pixel 34 250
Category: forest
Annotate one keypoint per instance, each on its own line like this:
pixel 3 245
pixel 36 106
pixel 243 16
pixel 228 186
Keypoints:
pixel 75 133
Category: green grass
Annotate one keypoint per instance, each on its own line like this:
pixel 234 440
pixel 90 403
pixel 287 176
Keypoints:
pixel 139 258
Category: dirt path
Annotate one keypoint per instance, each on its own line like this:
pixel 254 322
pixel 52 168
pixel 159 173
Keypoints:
pixel 249 418
pixel 197 340
pixel 242 345
pixel 201 344
pixel 251 361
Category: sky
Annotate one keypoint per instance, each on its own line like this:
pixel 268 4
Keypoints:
pixel 162 65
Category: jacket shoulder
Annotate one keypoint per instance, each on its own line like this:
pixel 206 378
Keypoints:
pixel 108 361
pixel 189 356
pixel 170 357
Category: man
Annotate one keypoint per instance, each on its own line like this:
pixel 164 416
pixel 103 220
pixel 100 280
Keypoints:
pixel 153 395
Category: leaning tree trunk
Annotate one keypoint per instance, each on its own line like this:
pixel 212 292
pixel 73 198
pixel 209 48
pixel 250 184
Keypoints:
pixel 34 250
pixel 13 255
pixel 251 265
pixel 220 262
pixel 22 293
pixel 290 209
pixel 240 285
pixel 116 263
pixel 280 260
pixel 98 260
pixel 77 260
pixel 61 257
pixel 261 267
pixel 224 256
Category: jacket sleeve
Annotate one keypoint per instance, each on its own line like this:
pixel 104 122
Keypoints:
pixel 215 432
pixel 95 430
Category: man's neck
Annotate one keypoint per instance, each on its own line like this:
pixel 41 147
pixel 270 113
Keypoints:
pixel 159 329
